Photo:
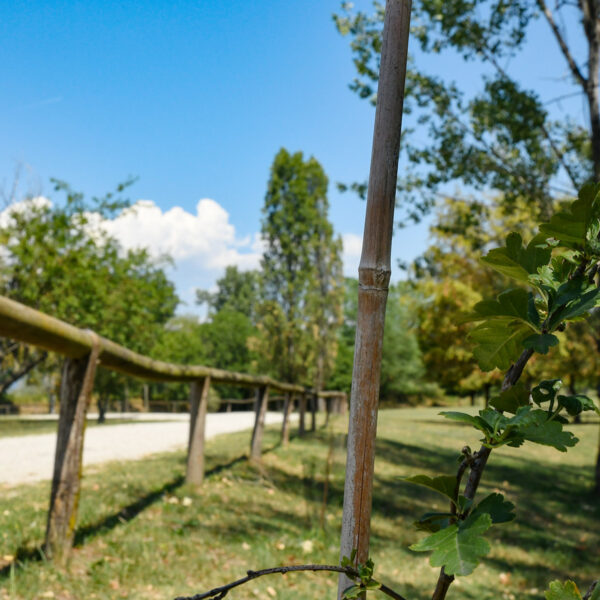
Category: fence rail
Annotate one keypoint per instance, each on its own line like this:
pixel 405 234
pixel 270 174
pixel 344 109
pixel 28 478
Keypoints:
pixel 25 324
pixel 84 351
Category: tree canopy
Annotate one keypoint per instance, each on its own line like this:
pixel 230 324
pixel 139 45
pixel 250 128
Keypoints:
pixel 502 138
pixel 58 259
pixel 301 284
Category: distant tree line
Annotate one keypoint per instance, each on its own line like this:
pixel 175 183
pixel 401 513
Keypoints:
pixel 294 318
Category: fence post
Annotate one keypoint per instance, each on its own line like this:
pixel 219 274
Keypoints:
pixel 76 386
pixel 288 406
pixel 146 396
pixel 195 458
pixel 313 412
pixel 302 415
pixel 260 408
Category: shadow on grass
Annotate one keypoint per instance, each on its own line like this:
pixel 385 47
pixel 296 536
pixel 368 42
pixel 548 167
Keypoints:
pixel 27 554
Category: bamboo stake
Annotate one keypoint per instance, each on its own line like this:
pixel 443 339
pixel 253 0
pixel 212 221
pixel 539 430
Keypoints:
pixel 374 274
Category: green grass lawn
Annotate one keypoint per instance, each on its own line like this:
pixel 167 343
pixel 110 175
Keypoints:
pixel 144 535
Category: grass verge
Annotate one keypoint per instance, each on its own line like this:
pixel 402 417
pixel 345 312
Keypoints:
pixel 14 427
pixel 144 534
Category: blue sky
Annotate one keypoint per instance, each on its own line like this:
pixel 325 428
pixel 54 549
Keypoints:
pixel 195 99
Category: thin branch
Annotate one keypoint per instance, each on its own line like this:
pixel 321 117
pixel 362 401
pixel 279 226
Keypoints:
pixel 564 97
pixel 21 373
pixel 559 155
pixel 590 591
pixel 562 43
pixel 220 592
pixel 478 464
pixel 516 369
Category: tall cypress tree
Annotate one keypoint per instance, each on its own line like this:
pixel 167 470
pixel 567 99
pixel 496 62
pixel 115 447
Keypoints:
pixel 301 283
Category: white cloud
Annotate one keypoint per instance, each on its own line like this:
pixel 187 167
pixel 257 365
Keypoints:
pixel 201 244
pixel 351 254
pixel 206 238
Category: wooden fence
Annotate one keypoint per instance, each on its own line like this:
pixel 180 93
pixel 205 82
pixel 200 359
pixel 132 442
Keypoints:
pixel 84 350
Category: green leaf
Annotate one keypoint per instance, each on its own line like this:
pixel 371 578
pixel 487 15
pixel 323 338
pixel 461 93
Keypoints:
pixel 513 303
pixel 433 521
pixel 581 305
pixel 547 433
pixel 518 262
pixel 459 547
pixel 498 344
pixel 571 226
pixel 442 484
pixel 365 571
pixel 354 591
pixel 577 404
pixel 476 422
pixel 563 591
pixel 540 343
pixel 511 399
pixel 499 509
pixel 546 390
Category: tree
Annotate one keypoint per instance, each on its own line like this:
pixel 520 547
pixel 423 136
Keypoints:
pixel 502 138
pixel 341 378
pixel 59 260
pixel 300 282
pixel 403 372
pixel 237 291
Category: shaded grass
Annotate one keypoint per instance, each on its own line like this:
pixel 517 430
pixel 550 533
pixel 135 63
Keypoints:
pixel 144 534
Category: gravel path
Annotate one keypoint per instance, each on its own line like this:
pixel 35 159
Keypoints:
pixel 29 458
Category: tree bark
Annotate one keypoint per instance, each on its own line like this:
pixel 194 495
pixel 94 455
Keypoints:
pixel 302 415
pixel 75 394
pixel 102 404
pixel 288 406
pixel 597 472
pixel 195 458
pixel 146 396
pixel 260 407
pixel 592 31
pixel 374 275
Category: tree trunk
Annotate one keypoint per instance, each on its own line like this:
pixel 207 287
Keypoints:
pixel 198 403
pixel 146 396
pixel 288 406
pixel 328 403
pixel 487 388
pixel 102 404
pixel 597 473
pixel 260 407
pixel 472 396
pixel 573 391
pixel 75 394
pixel 302 416
pixel 125 399
pixel 592 31
pixel 374 275
pixel 313 412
